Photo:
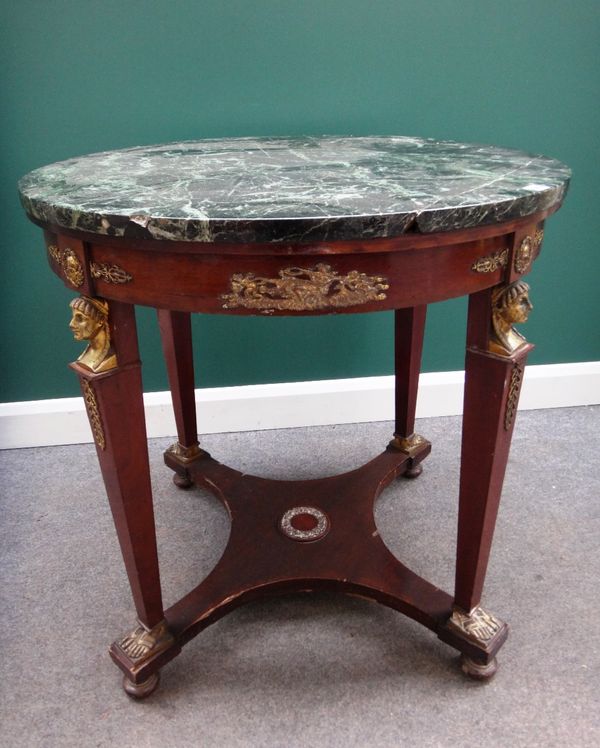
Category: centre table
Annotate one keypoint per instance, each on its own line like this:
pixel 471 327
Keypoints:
pixel 297 226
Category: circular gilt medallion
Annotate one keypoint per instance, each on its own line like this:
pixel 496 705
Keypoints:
pixel 304 523
pixel 524 255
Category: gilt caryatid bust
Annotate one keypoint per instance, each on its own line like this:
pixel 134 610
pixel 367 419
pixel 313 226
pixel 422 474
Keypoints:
pixel 510 305
pixel 90 322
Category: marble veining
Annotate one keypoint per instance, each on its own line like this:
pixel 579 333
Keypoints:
pixel 301 189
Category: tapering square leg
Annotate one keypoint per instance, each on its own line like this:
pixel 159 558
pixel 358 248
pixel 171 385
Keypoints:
pixel 176 336
pixel 409 328
pixel 494 368
pixel 111 383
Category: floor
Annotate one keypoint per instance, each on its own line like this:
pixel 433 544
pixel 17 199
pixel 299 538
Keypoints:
pixel 307 670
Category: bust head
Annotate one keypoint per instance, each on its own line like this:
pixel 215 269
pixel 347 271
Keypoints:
pixel 90 322
pixel 90 316
pixel 510 305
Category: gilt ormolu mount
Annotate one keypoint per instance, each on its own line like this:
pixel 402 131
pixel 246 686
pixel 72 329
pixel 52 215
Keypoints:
pixel 275 226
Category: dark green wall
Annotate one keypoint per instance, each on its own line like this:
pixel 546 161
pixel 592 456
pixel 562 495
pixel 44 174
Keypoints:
pixel 81 76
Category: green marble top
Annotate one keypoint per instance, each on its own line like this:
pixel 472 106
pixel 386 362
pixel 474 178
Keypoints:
pixel 292 189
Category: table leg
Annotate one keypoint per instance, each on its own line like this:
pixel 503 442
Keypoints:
pixel 409 328
pixel 176 336
pixel 493 377
pixel 112 388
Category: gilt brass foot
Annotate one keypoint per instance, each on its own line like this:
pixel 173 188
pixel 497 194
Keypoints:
pixel 141 654
pixel 185 455
pixel 141 690
pixel 478 625
pixel 179 459
pixel 413 446
pixel 144 644
pixel 478 635
pixel 478 670
pixel 410 445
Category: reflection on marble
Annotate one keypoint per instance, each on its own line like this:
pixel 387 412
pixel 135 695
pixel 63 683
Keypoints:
pixel 292 189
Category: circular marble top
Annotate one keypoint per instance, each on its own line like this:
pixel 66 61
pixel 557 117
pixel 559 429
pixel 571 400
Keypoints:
pixel 303 189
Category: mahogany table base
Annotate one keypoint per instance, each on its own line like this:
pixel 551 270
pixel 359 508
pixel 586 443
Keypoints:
pixel 292 536
pixel 275 227
pixel 303 535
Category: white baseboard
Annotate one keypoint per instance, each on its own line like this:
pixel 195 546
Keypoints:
pixel 270 406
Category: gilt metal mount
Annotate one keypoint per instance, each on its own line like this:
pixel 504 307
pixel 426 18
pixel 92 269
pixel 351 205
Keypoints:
pixel 142 643
pixel 304 289
pixel 109 273
pixel 89 321
pixel 491 263
pixel 510 305
pixel 69 263
pixel 477 625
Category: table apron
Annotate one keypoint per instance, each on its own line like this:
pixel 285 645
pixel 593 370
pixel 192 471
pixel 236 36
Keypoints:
pixel 290 285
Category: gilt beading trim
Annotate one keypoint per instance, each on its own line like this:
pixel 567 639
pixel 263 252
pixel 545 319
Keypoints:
pixel 91 405
pixel 514 388
pixel 315 533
